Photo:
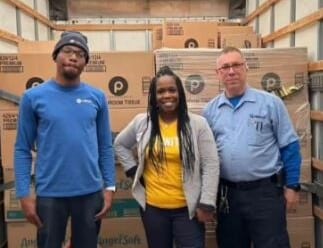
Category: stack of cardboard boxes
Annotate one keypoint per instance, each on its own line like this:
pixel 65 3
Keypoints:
pixel 203 35
pixel 280 71
pixel 125 78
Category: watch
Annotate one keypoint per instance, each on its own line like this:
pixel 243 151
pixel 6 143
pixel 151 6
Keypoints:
pixel 295 187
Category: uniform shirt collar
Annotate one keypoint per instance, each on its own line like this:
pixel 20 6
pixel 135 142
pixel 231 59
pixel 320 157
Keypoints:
pixel 248 96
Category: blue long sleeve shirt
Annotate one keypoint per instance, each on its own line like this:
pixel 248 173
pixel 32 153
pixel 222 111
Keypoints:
pixel 71 130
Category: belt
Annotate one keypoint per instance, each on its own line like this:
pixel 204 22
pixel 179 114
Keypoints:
pixel 247 185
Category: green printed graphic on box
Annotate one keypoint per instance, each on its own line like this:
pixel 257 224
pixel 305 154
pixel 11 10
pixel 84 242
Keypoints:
pixel 15 215
pixel 120 208
pixel 124 208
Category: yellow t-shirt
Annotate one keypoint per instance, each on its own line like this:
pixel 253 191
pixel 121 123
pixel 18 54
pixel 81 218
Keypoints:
pixel 164 188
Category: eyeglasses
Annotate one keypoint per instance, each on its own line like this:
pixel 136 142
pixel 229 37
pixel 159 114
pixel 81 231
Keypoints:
pixel 69 51
pixel 234 66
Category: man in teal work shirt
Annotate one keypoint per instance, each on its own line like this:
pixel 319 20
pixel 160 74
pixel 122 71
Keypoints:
pixel 257 144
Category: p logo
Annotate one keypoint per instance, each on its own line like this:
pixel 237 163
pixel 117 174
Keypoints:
pixel 118 86
pixel 194 84
pixel 33 82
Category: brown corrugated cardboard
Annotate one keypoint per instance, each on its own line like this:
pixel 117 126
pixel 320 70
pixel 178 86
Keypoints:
pixel 8 125
pixel 120 118
pixel 7 105
pixel 275 70
pixel 36 46
pixel 190 34
pixel 301 232
pixel 23 235
pixel 157 37
pixel 304 207
pixel 306 171
pixel 123 185
pixel 124 77
pixel 116 233
pixel 242 40
pixel 19 72
pixel 238 36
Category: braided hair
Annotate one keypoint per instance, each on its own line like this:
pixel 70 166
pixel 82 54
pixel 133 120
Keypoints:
pixel 184 131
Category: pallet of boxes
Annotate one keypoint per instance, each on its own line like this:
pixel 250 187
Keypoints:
pixel 124 77
pixel 280 71
pixel 191 52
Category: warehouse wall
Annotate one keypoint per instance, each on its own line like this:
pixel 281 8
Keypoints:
pixel 283 13
pixel 21 24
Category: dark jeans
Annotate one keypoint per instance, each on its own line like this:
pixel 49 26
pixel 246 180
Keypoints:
pixel 164 226
pixel 54 214
pixel 255 215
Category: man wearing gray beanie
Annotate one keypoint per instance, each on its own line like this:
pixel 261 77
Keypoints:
pixel 73 39
pixel 68 121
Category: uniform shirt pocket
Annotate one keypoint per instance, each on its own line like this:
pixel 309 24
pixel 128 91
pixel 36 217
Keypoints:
pixel 259 131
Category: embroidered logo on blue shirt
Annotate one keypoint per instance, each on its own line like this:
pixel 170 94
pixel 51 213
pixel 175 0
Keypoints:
pixel 80 101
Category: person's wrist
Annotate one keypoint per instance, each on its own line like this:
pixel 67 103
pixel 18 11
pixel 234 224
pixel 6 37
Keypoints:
pixel 110 188
pixel 296 187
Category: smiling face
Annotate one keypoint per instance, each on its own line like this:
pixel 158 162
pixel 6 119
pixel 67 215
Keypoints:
pixel 167 97
pixel 70 63
pixel 232 73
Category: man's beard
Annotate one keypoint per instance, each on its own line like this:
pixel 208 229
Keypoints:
pixel 70 75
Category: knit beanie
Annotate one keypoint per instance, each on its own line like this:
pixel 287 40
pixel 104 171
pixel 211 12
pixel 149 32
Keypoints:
pixel 73 39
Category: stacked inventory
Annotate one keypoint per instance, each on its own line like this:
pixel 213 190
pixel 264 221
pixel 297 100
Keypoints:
pixel 125 77
pixel 203 35
pixel 280 71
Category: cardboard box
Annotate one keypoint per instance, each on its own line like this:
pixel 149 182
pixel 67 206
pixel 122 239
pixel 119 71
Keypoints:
pixel 116 233
pixel 304 207
pixel 123 76
pixel 19 72
pixel 238 36
pixel 301 232
pixel 7 105
pixel 8 131
pixel 120 118
pixel 241 40
pixel 123 185
pixel 306 171
pixel 274 70
pixel 36 46
pixel 23 235
pixel 157 37
pixel 122 233
pixel 190 34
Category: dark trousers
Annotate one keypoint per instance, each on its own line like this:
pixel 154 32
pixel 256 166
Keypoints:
pixel 256 215
pixel 54 214
pixel 163 227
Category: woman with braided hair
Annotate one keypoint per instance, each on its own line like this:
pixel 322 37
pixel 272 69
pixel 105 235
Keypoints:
pixel 175 173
